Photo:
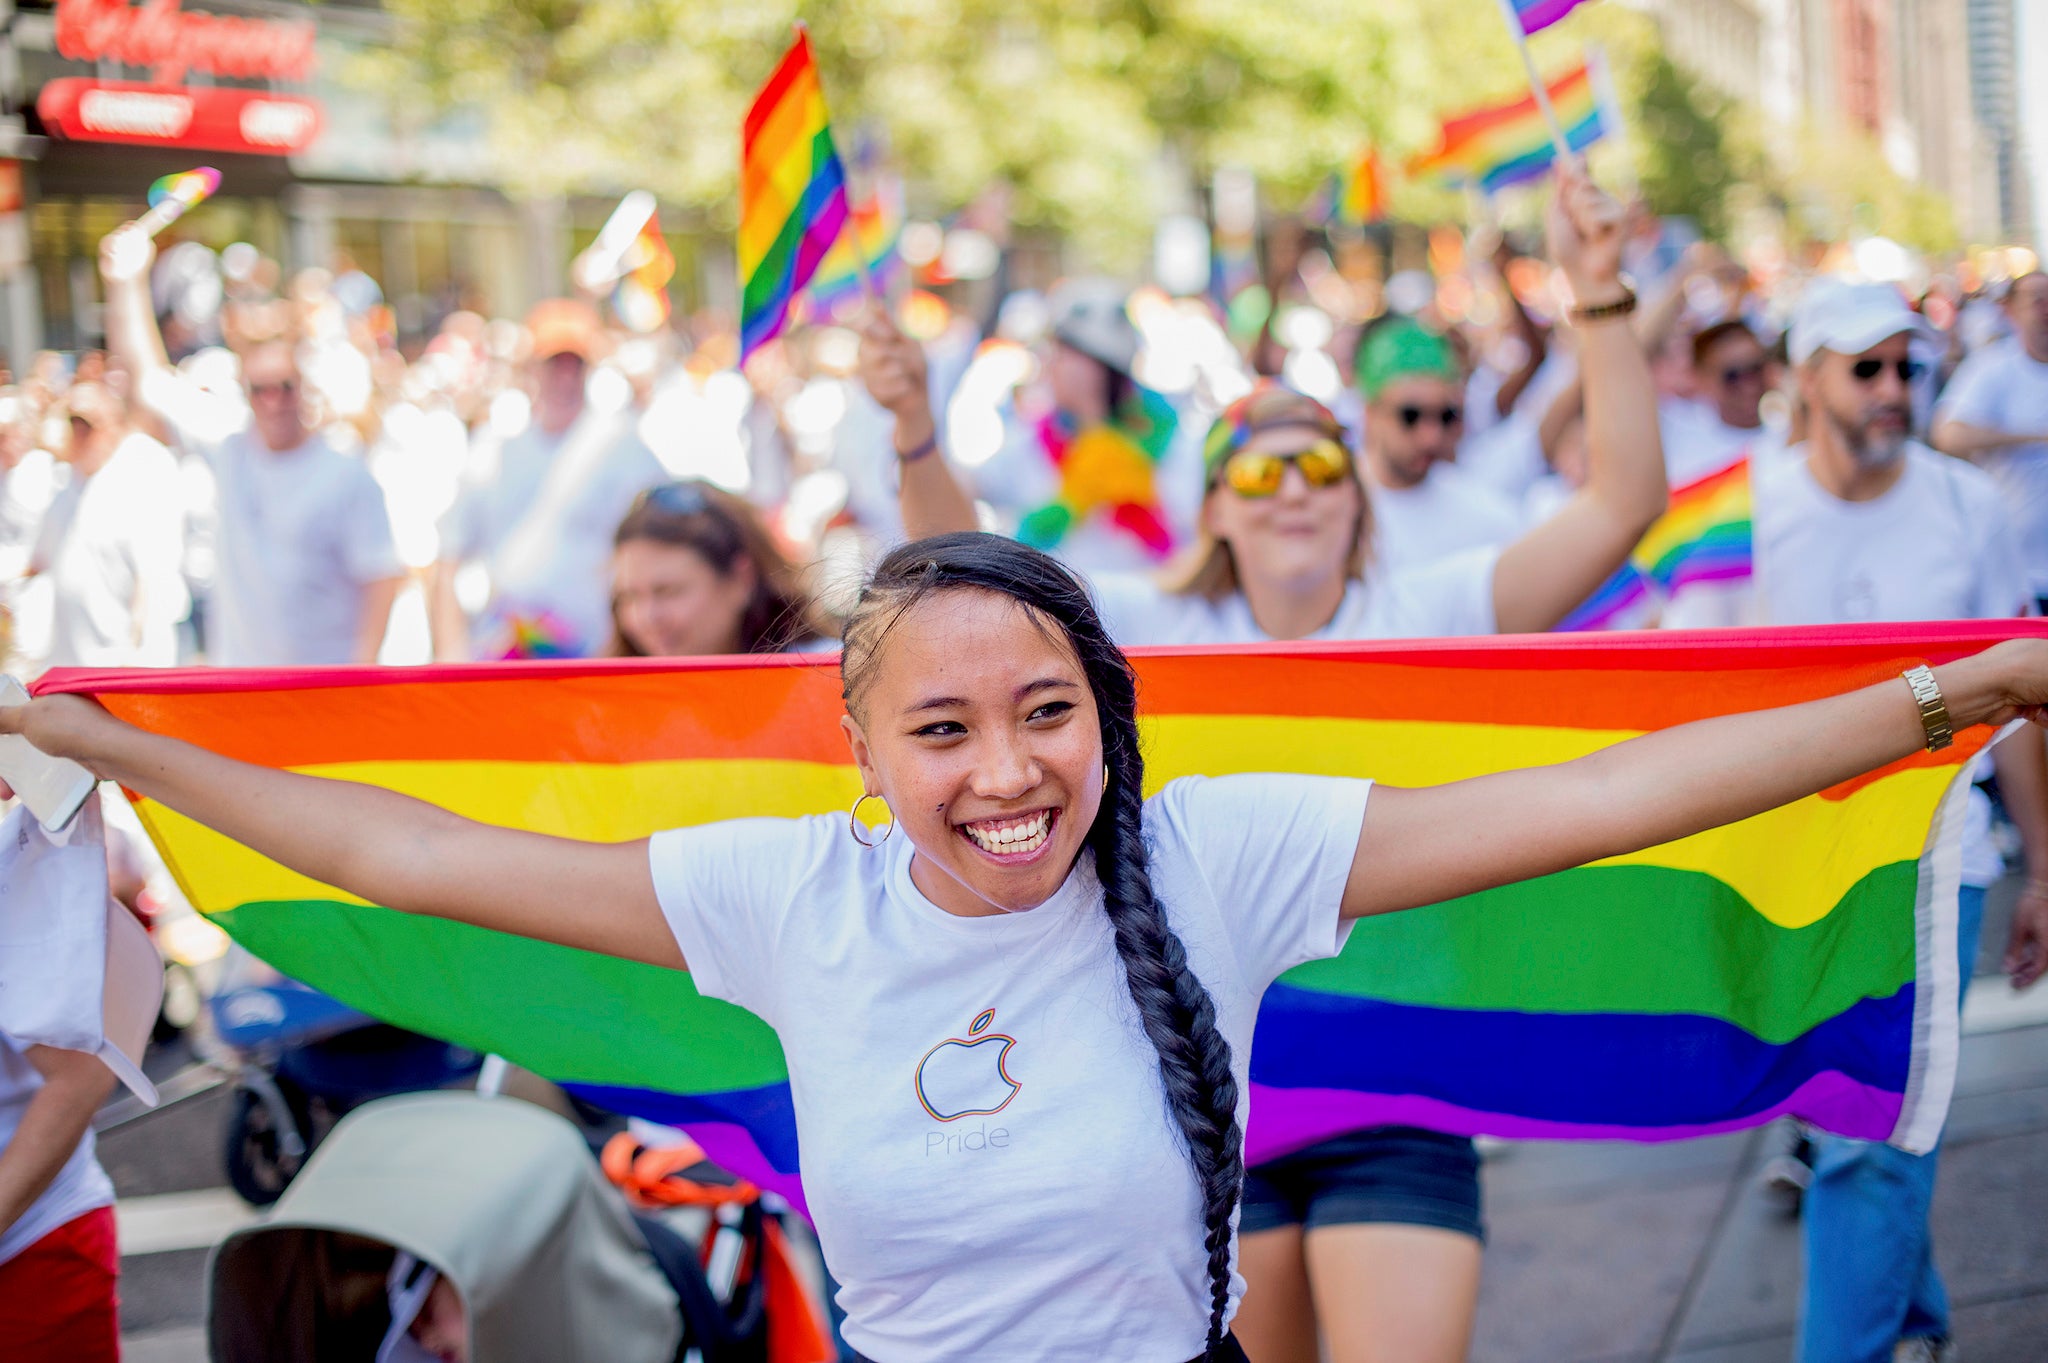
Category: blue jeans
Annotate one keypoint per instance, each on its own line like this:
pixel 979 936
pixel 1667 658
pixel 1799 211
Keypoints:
pixel 1870 1274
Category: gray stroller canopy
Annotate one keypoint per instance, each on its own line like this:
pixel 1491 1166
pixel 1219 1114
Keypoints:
pixel 502 1198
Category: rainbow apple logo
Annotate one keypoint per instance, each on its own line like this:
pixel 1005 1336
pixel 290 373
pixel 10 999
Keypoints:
pixel 966 1076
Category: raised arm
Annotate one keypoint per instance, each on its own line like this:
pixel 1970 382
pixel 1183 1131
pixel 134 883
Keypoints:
pixel 384 847
pixel 1545 574
pixel 1426 845
pixel 893 368
pixel 132 335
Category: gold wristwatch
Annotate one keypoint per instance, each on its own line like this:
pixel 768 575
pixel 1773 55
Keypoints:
pixel 1941 731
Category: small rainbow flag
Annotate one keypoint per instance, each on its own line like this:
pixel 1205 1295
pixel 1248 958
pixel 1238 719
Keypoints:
pixel 640 298
pixel 1536 15
pixel 1703 536
pixel 1509 144
pixel 792 194
pixel 1790 963
pixel 1362 191
pixel 1621 603
pixel 867 249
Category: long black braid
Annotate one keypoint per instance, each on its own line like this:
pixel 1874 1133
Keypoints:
pixel 1173 1005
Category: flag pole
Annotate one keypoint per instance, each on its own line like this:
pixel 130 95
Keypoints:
pixel 1536 85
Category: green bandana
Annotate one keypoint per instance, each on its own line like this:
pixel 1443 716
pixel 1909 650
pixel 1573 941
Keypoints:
pixel 1401 349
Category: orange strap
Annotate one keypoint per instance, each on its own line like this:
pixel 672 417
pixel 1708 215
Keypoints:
pixel 653 1178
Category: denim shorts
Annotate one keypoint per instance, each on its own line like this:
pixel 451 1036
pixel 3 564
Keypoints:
pixel 1396 1175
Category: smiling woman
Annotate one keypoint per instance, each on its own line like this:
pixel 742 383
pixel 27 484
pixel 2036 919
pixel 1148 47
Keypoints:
pixel 1060 1178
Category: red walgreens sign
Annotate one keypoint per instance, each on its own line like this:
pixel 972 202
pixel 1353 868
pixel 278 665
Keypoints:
pixel 253 121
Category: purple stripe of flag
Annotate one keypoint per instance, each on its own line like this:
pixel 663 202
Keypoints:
pixel 1537 15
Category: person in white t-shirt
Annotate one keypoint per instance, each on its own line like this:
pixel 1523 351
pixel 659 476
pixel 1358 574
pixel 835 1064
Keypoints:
pixel 305 567
pixel 112 542
pixel 1022 1119
pixel 1994 412
pixel 1285 552
pixel 538 507
pixel 58 1261
pixel 1424 506
pixel 1724 422
pixel 1861 523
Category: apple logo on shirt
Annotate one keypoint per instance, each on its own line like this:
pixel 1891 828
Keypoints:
pixel 966 1076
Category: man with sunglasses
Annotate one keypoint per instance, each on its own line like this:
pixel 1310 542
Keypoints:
pixel 1424 506
pixel 538 507
pixel 1731 373
pixel 1861 523
pixel 1995 414
pixel 306 567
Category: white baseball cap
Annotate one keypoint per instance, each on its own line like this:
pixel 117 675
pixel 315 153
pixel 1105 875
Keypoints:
pixel 1851 318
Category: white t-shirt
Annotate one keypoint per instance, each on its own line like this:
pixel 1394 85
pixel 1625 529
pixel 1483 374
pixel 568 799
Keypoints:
pixel 112 545
pixel 2006 389
pixel 986 1145
pixel 1448 512
pixel 1697 442
pixel 80 1186
pixel 540 510
pixel 1937 546
pixel 301 534
pixel 1450 598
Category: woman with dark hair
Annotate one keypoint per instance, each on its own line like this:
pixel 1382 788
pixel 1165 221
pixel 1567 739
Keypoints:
pixel 1366 1246
pixel 694 571
pixel 1075 1200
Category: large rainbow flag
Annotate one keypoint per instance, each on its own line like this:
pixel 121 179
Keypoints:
pixel 1801 961
pixel 1510 144
pixel 792 194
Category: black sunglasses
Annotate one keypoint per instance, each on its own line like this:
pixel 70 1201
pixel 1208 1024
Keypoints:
pixel 1411 417
pixel 284 386
pixel 1868 370
pixel 1742 373
pixel 677 499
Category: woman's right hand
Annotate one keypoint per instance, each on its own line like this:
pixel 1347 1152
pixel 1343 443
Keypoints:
pixel 61 726
pixel 892 367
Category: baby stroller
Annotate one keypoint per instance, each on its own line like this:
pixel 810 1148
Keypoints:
pixel 299 1061
pixel 451 1227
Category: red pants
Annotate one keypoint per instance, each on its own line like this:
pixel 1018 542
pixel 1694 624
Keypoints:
pixel 57 1300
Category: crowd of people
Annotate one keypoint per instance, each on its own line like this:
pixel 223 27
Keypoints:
pixel 278 484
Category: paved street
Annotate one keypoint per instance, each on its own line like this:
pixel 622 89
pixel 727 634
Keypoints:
pixel 1599 1253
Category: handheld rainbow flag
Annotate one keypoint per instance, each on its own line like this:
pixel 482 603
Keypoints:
pixel 865 255
pixel 175 195
pixel 793 202
pixel 1510 144
pixel 640 298
pixel 1791 963
pixel 1703 535
pixel 1361 196
pixel 1533 16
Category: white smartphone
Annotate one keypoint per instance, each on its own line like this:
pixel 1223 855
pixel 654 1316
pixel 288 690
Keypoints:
pixel 53 788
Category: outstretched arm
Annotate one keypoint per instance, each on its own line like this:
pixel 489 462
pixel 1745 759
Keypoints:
pixel 893 368
pixel 1548 572
pixel 384 847
pixel 1423 846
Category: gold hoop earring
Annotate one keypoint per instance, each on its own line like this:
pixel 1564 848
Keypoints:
pixel 854 826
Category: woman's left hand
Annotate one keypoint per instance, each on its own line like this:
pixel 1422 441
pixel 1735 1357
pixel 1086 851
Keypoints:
pixel 2005 682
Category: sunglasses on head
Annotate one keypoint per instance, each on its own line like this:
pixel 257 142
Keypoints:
pixel 1867 370
pixel 1447 417
pixel 1323 464
pixel 677 499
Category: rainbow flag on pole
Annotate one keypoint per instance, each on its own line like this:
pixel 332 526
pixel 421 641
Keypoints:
pixel 792 194
pixel 640 298
pixel 1536 15
pixel 1799 962
pixel 1509 144
pixel 867 249
pixel 1703 535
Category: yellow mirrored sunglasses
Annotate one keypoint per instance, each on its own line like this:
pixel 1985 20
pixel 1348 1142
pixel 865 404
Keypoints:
pixel 1323 464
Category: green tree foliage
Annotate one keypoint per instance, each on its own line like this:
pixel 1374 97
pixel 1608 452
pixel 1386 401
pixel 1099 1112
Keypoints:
pixel 1683 158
